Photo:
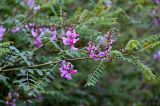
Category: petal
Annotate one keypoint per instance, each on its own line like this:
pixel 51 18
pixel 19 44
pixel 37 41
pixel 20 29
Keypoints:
pixel 61 69
pixel 15 30
pixel 64 63
pixel 38 42
pixel 73 48
pixel 64 73
pixel 53 38
pixel 68 33
pixel 75 40
pixel 65 41
pixel 34 34
pixel 74 34
pixel 68 76
pixel 37 8
pixel 71 67
pixel 101 54
pixel 74 71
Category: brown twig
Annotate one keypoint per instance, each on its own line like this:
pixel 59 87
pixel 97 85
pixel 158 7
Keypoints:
pixel 44 64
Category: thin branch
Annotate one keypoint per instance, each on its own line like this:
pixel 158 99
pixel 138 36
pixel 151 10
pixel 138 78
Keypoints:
pixel 5 66
pixel 44 64
pixel 54 62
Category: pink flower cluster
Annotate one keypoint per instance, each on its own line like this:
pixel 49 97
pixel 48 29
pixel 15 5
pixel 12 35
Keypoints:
pixel 67 70
pixel 36 34
pixel 17 29
pixel 70 38
pixel 39 31
pixel 102 50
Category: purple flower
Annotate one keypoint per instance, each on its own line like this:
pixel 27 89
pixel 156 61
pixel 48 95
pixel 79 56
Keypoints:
pixel 67 70
pixel 33 32
pixel 29 26
pixel 71 38
pixel 157 55
pixel 2 31
pixel 71 33
pixel 36 31
pixel 43 30
pixel 36 8
pixel 15 30
pixel 38 42
pixel 39 31
pixel 30 3
pixel 92 50
pixel 157 1
pixel 108 3
pixel 102 50
pixel 54 33
pixel 11 99
pixel 91 47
